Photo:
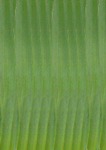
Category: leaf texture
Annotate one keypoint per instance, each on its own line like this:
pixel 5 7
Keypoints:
pixel 52 71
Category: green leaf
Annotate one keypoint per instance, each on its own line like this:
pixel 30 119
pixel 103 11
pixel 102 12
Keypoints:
pixel 52 71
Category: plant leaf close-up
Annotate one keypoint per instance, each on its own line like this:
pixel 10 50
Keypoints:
pixel 52 75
